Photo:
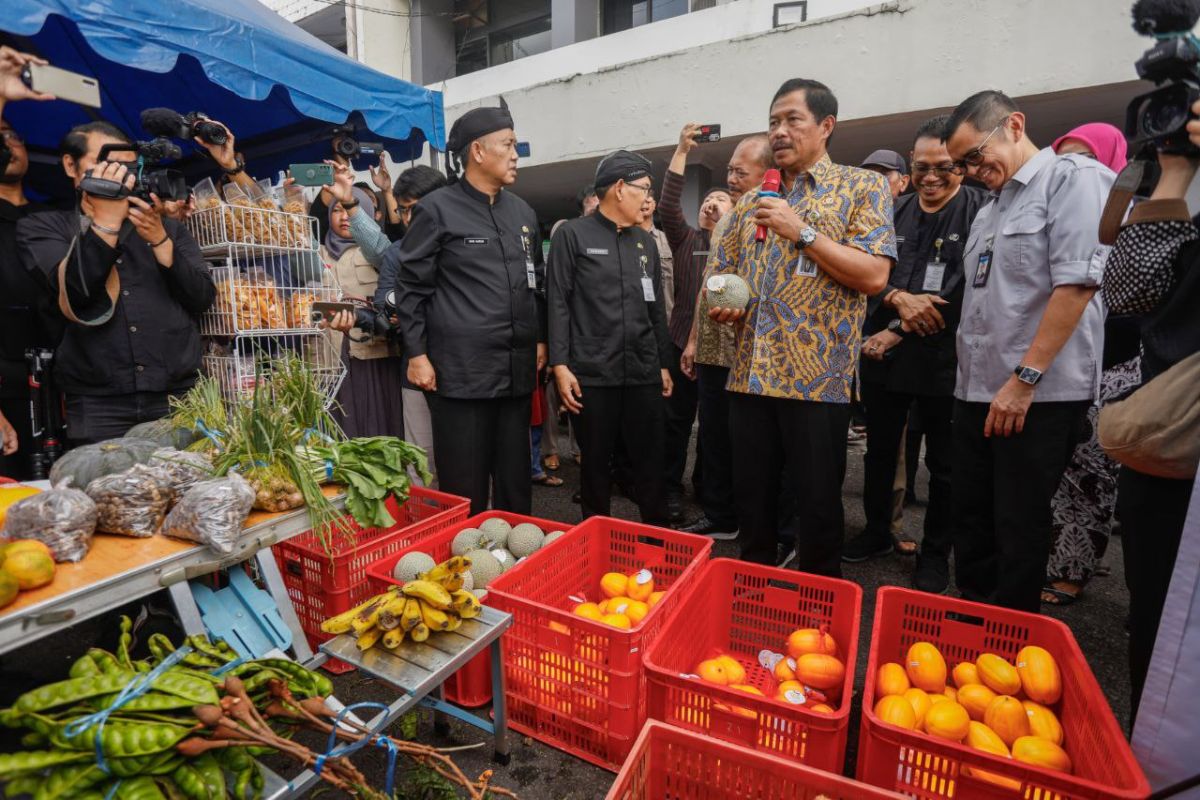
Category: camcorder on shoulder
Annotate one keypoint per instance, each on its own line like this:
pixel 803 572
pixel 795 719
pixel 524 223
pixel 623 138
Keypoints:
pixel 171 124
pixel 1159 118
pixel 167 184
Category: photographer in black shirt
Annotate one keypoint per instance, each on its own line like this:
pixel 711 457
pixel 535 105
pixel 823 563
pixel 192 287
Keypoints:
pixel 134 285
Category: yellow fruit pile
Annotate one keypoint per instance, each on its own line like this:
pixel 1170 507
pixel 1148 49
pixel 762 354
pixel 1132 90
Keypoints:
pixel 24 564
pixel 628 599
pixel 993 705
pixel 435 601
pixel 811 674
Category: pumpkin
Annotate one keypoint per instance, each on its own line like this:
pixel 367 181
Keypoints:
pixel 164 433
pixel 926 667
pixel 947 721
pixel 1041 753
pixel 1007 717
pixel 997 674
pixel 820 671
pixel 891 679
pixel 1039 675
pixel 1043 722
pixel 84 464
pixel 10 494
pixel 896 710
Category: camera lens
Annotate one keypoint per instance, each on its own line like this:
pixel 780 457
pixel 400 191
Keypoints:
pixel 1162 118
pixel 345 146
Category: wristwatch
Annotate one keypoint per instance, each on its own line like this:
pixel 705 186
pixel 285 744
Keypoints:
pixel 896 326
pixel 1028 375
pixel 239 166
pixel 807 236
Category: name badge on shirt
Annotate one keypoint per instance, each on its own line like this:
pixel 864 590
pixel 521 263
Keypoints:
pixel 597 251
pixel 530 276
pixel 475 241
pixel 805 267
pixel 647 283
pixel 983 269
pixel 935 272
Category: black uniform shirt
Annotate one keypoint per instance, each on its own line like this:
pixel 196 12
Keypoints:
pixel 601 325
pixel 463 294
pixel 152 341
pixel 925 365
pixel 23 306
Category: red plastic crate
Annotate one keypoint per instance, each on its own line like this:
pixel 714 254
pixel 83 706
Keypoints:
pixel 572 682
pixel 740 609
pixel 923 767
pixel 672 764
pixel 471 686
pixel 322 585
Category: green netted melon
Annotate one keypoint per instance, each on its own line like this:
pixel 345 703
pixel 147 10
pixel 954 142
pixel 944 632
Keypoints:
pixel 485 568
pixel 525 539
pixel 552 537
pixel 727 291
pixel 497 531
pixel 411 565
pixel 466 540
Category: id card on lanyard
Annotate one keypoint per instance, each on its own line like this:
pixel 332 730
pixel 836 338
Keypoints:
pixel 530 275
pixel 935 270
pixel 983 269
pixel 647 283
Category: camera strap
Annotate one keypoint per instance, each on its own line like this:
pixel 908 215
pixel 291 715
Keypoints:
pixel 112 287
pixel 1119 198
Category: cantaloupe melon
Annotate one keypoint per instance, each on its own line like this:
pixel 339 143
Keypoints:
pixel 506 559
pixel 411 565
pixel 525 539
pixel 484 568
pixel 727 291
pixel 497 531
pixel 468 539
pixel 552 536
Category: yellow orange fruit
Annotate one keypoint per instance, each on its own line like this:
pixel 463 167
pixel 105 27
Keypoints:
pixel 745 687
pixel 810 640
pixel 654 598
pixel 1041 753
pixel 1043 722
pixel 965 673
pixel 734 671
pixel 27 546
pixel 30 568
pixel 821 708
pixel 891 679
pixel 925 667
pixel 636 610
pixel 10 494
pixel 789 686
pixel 947 720
pixel 617 621
pixel 997 674
pixel 640 585
pixel 616 605
pixel 785 670
pixel 981 737
pixel 9 589
pixel 896 710
pixel 951 693
pixel 589 611
pixel 937 697
pixel 820 671
pixel 920 703
pixel 1039 674
pixel 613 584
pixel 975 698
pixel 712 671
pixel 1006 716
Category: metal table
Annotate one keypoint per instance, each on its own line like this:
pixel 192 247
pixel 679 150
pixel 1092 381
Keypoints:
pixel 418 670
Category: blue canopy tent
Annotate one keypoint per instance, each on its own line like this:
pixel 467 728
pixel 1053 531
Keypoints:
pixel 280 89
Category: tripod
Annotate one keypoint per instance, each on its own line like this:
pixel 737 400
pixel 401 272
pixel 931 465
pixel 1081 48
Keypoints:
pixel 45 413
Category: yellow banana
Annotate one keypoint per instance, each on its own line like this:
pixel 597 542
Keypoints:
pixel 428 591
pixel 455 622
pixel 341 623
pixel 388 621
pixel 411 616
pixel 393 638
pixel 419 633
pixel 435 619
pixel 367 639
pixel 465 604
pixel 453 583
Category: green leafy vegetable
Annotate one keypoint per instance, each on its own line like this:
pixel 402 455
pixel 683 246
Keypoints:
pixel 373 469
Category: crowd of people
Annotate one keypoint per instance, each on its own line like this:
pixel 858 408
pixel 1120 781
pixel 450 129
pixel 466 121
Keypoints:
pixel 957 300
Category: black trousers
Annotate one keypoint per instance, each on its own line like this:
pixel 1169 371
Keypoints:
pixel 715 448
pixel 1002 487
pixel 92 419
pixel 887 414
pixel 681 413
pixel 1152 512
pixel 774 437
pixel 482 447
pixel 632 415
pixel 16 411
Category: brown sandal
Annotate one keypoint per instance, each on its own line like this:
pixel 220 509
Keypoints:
pixel 549 480
pixel 904 545
pixel 551 463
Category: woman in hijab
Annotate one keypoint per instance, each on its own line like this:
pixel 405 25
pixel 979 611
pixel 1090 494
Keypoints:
pixel 1082 508
pixel 368 403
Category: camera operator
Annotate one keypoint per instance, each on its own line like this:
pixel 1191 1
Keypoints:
pixel 1153 272
pixel 21 295
pixel 130 286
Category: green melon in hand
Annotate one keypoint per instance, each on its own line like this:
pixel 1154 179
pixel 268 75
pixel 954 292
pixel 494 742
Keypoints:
pixel 727 291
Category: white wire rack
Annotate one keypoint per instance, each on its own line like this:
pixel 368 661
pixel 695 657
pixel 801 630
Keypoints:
pixel 240 363
pixel 256 294
pixel 265 229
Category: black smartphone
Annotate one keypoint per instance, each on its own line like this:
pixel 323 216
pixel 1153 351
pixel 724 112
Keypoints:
pixel 63 84
pixel 312 174
pixel 327 311
pixel 708 133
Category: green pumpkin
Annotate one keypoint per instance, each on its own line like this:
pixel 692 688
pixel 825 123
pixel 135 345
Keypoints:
pixel 164 433
pixel 84 464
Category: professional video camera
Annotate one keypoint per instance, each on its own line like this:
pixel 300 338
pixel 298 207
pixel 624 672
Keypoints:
pixel 1159 118
pixel 371 317
pixel 168 184
pixel 172 124
pixel 347 146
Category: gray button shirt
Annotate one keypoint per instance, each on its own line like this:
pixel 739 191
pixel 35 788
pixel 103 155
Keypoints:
pixel 1042 229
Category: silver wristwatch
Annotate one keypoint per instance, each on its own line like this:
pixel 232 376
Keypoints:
pixel 808 235
pixel 1028 375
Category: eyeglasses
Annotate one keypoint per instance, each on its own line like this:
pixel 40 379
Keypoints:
pixel 974 156
pixel 941 170
pixel 11 137
pixel 646 189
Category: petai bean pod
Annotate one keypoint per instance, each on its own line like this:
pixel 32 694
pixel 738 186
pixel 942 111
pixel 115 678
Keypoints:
pixel 143 788
pixel 84 666
pixel 65 783
pixel 27 762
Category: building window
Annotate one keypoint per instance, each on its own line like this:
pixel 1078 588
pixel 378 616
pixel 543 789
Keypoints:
pixel 621 15
pixel 491 33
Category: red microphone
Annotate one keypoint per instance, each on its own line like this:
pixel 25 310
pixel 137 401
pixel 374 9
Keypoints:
pixel 772 180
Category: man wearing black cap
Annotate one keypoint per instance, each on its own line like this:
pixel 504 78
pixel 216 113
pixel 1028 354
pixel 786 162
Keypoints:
pixel 608 337
pixel 891 166
pixel 472 310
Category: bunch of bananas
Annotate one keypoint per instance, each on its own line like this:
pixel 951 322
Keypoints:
pixel 435 601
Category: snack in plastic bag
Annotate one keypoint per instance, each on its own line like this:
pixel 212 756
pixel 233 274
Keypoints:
pixel 180 470
pixel 206 195
pixel 212 512
pixel 62 519
pixel 130 503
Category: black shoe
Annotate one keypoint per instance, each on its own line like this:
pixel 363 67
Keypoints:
pixel 674 507
pixel 932 574
pixel 866 546
pixel 577 497
pixel 787 554
pixel 706 527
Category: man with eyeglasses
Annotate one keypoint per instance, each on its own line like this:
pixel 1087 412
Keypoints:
pixel 1029 345
pixel 23 317
pixel 905 365
pixel 609 346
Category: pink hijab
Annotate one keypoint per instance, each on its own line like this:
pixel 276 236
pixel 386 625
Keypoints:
pixel 1106 141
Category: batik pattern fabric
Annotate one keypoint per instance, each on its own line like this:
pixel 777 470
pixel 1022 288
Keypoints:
pixel 802 331
pixel 1082 509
